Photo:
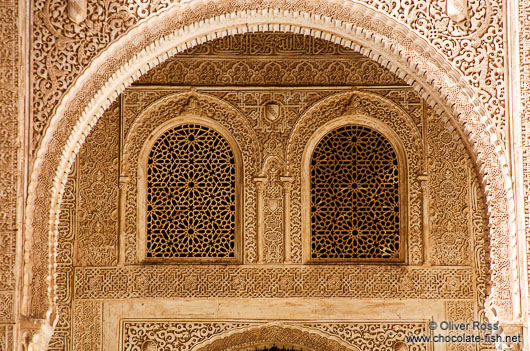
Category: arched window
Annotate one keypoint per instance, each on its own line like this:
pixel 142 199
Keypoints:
pixel 354 196
pixel 191 195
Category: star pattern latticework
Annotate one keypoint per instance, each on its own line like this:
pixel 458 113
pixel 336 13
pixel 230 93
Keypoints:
pixel 354 196
pixel 191 195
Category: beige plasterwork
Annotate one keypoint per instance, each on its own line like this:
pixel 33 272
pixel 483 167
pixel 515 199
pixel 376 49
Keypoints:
pixel 371 32
pixel 366 121
pixel 156 117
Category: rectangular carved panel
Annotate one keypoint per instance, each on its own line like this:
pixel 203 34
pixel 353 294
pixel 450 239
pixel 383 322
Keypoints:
pixel 97 235
pixel 87 319
pixel 232 281
pixel 449 191
pixel 61 339
pixel 6 306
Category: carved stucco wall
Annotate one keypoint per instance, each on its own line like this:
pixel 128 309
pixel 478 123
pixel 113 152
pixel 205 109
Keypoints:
pixel 57 66
pixel 9 170
pixel 87 286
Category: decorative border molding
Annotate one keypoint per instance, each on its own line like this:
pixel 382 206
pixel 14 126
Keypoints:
pixel 371 32
pixel 11 161
pixel 354 281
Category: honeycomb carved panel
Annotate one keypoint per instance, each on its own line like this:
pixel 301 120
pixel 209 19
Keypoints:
pixel 354 196
pixel 191 195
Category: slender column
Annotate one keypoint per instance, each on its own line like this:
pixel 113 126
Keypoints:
pixel 424 183
pixel 286 182
pixel 123 185
pixel 260 187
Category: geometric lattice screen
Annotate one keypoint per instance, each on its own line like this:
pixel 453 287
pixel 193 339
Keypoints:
pixel 354 196
pixel 191 195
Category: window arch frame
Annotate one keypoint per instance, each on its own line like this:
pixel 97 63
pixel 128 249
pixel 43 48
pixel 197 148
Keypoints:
pixel 395 141
pixel 184 119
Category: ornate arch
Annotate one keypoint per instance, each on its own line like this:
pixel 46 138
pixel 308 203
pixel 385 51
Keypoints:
pixel 167 111
pixel 344 108
pixel 357 119
pixel 352 24
pixel 268 335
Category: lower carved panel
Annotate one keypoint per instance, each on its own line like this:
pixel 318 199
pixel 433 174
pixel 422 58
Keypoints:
pixel 6 337
pixel 240 281
pixel 87 318
pixel 229 335
pixel 6 306
pixel 459 312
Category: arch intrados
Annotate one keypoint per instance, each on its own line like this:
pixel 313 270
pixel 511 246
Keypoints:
pixel 379 37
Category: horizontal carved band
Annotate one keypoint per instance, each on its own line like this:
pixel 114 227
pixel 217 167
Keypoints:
pixel 269 282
